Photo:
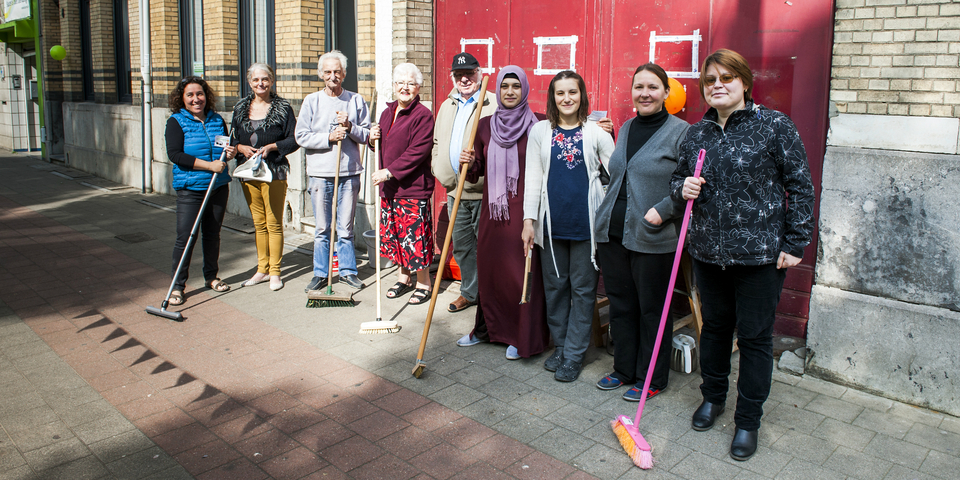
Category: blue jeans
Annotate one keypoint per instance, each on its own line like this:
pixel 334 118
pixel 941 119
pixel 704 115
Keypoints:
pixel 321 194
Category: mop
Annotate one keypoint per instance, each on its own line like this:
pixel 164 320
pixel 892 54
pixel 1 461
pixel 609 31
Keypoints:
pixel 378 326
pixel 327 297
pixel 162 311
pixel 627 431
pixel 419 366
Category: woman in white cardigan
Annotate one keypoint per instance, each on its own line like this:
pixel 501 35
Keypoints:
pixel 562 191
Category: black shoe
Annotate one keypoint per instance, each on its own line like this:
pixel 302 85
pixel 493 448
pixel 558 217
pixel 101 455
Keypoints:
pixel 352 281
pixel 554 361
pixel 744 444
pixel 316 283
pixel 704 417
pixel 568 371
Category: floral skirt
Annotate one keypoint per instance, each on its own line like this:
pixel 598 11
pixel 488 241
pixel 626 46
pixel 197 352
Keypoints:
pixel 406 232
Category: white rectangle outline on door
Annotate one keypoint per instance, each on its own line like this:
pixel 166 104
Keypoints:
pixel 695 51
pixel 541 41
pixel 480 41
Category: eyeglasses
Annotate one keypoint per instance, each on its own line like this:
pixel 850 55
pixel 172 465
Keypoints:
pixel 724 79
pixel 406 84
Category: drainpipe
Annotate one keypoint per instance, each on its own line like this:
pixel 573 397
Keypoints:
pixel 147 96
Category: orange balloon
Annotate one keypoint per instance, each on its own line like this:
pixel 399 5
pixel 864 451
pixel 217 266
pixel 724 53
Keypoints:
pixel 677 97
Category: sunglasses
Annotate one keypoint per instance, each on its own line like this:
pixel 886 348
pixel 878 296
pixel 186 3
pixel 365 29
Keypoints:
pixel 725 78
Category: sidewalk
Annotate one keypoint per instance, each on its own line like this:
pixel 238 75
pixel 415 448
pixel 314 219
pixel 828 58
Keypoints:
pixel 254 385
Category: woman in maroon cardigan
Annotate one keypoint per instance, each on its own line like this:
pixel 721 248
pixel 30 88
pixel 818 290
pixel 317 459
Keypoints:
pixel 406 222
pixel 500 150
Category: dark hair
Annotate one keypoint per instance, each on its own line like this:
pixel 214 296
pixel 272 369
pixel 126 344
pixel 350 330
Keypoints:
pixel 656 70
pixel 175 100
pixel 737 65
pixel 553 113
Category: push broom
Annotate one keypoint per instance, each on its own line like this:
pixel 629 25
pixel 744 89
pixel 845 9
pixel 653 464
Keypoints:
pixel 419 366
pixel 327 297
pixel 627 431
pixel 221 142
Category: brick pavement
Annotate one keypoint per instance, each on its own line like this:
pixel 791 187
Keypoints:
pixel 253 385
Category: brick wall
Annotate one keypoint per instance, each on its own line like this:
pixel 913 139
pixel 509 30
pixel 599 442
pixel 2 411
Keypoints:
pixel 897 57
pixel 413 40
pixel 300 39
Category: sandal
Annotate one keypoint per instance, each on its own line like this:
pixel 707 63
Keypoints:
pixel 176 298
pixel 218 285
pixel 420 295
pixel 398 289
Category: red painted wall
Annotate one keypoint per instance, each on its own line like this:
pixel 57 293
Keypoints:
pixel 788 44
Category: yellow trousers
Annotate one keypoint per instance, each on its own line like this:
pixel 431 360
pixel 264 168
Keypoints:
pixel 266 202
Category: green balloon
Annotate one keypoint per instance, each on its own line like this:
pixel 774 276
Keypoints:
pixel 58 52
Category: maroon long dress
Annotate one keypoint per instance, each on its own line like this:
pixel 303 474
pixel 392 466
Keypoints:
pixel 500 264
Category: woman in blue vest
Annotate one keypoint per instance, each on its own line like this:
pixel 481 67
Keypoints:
pixel 190 135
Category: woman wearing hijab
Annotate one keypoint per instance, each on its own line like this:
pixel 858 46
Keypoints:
pixel 500 150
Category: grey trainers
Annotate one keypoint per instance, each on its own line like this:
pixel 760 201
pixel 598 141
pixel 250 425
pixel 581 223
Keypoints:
pixel 553 361
pixel 568 371
pixel 316 283
pixel 352 281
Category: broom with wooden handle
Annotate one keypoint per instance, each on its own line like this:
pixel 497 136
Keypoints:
pixel 628 432
pixel 419 366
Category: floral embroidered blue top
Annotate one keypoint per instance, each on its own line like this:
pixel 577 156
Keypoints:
pixel 568 186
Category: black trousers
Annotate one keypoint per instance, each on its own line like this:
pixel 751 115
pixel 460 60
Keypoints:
pixel 743 298
pixel 636 285
pixel 188 206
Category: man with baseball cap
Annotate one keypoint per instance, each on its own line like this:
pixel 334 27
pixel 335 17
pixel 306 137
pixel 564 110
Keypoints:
pixel 454 122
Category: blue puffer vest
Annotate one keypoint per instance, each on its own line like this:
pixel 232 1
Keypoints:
pixel 198 142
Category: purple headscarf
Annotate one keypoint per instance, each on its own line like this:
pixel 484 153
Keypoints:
pixel 507 125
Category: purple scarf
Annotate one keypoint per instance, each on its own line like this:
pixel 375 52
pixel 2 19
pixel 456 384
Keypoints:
pixel 507 125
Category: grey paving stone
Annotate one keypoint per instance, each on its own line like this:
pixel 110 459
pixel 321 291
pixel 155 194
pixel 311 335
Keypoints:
pixel 602 433
pixel 87 467
pixel 142 464
pixel 475 376
pixel 664 424
pixel 666 455
pixel 71 397
pixel 934 439
pixel 14 402
pixel 898 472
pixel 748 475
pixel 34 361
pixel 897 451
pixel 21 473
pixel 873 402
pixel 888 425
pixel 505 388
pixel 40 436
pixel 28 419
pixel 941 464
pixel 456 396
pixel 916 414
pixel 55 454
pixel 28 348
pixel 799 469
pixel 603 462
pixel 857 464
pixel 172 473
pixel 489 411
pixel 794 418
pixel 810 449
pixel 822 387
pixel 837 432
pixel 539 402
pixel 10 457
pixel 834 408
pixel 766 461
pixel 430 383
pixel 575 418
pixel 562 444
pixel 712 442
pixel 119 446
pixel 524 427
pixel 13 338
pixel 950 424
pixel 790 395
pixel 524 368
pixel 587 396
pixel 95 410
pixel 697 466
pixel 103 428
pixel 781 377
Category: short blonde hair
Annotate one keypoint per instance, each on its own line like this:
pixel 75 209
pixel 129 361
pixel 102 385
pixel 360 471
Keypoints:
pixel 407 69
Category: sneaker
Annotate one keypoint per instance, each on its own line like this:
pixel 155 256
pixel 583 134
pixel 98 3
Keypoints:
pixel 553 361
pixel 512 353
pixel 352 281
pixel 468 340
pixel 568 371
pixel 316 283
pixel 609 383
pixel 633 395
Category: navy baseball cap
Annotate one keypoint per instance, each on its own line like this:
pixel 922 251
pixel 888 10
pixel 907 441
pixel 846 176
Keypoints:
pixel 464 61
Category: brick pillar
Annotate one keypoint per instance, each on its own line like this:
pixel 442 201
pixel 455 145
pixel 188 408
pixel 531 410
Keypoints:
pixel 300 39
pixel 52 69
pixel 413 39
pixel 366 48
pixel 164 48
pixel 72 66
pixel 104 59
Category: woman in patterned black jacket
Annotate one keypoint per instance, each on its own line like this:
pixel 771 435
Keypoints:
pixel 744 234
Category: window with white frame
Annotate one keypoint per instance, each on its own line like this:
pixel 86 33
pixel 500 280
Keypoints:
pixel 555 54
pixel 480 41
pixel 694 40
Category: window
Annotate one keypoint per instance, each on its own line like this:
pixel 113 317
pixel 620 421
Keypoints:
pixel 86 51
pixel 257 37
pixel 121 45
pixel 191 34
pixel 555 54
pixel 341 21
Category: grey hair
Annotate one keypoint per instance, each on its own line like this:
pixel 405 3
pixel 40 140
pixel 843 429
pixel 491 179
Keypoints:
pixel 405 69
pixel 262 66
pixel 332 55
